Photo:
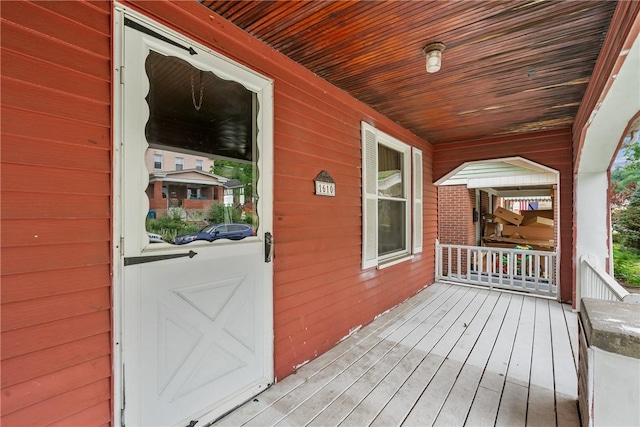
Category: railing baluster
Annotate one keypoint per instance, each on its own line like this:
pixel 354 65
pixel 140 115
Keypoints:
pixel 536 275
pixel 597 283
pixel 468 264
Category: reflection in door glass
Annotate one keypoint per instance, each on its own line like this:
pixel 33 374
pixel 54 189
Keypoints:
pixel 202 154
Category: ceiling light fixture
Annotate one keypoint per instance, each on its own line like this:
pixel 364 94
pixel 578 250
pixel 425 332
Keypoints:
pixel 433 52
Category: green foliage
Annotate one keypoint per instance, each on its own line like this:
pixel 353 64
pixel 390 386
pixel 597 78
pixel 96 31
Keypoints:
pixel 220 214
pixel 624 180
pixel 170 226
pixel 626 265
pixel 628 222
pixel 235 170
pixel 624 176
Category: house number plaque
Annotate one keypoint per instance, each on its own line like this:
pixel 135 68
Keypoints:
pixel 325 185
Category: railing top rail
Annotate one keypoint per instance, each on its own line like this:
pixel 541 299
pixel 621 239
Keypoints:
pixel 611 283
pixel 491 249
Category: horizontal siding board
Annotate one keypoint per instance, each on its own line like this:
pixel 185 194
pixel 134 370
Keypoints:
pixel 316 253
pixel 16 205
pixel 290 95
pixel 27 340
pixel 34 98
pixel 32 285
pixel 297 124
pixel 51 180
pixel 43 153
pixel 28 313
pixel 321 209
pixel 57 26
pixel 320 146
pixel 93 14
pixel 98 415
pixel 319 269
pixel 287 283
pixel 286 157
pixel 37 364
pixel 308 235
pixel 54 231
pixel 26 259
pixel 23 395
pixel 56 164
pixel 23 68
pixel 60 407
pixel 54 129
pixel 19 39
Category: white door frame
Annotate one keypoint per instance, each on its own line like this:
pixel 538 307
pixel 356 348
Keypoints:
pixel 119 225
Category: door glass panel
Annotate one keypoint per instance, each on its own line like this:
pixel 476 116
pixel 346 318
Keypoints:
pixel 204 129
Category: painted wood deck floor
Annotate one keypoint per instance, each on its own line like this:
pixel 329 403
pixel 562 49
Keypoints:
pixel 450 356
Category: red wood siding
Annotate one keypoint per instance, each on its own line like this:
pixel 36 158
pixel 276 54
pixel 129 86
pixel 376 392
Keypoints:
pixel 56 213
pixel 550 148
pixel 320 291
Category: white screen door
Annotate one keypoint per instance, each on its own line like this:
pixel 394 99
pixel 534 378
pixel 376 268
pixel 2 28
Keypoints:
pixel 197 334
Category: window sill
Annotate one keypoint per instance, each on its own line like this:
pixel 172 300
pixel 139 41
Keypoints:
pixel 393 261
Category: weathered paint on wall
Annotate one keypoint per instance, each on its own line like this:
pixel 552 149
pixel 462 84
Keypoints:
pixel 550 148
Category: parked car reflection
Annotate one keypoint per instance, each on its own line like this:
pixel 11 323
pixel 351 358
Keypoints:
pixel 216 232
pixel 155 238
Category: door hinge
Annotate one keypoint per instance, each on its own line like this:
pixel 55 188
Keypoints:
pixel 122 74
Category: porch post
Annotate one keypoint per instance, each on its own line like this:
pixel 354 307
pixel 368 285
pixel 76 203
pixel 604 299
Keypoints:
pixel 592 221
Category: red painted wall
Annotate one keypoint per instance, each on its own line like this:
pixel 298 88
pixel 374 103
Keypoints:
pixel 56 213
pixel 57 202
pixel 549 148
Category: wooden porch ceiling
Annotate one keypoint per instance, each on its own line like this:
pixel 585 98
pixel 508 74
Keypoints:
pixel 509 67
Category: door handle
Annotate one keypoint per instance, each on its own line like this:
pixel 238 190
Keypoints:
pixel 152 258
pixel 268 246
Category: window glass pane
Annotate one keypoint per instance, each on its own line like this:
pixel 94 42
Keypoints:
pixel 391 226
pixel 390 173
pixel 198 111
pixel 198 121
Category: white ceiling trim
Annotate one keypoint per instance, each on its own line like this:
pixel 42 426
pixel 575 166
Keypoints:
pixel 513 181
pixel 504 172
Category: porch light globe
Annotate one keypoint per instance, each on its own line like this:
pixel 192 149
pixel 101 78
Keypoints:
pixel 434 61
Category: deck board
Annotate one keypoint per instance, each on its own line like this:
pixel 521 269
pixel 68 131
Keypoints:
pixel 451 355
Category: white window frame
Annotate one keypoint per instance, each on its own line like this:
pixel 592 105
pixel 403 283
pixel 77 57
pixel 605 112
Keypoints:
pixel 199 164
pixel 413 187
pixel 179 162
pixel 157 158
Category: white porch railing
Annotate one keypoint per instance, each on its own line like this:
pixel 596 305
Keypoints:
pixel 596 283
pixel 512 269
